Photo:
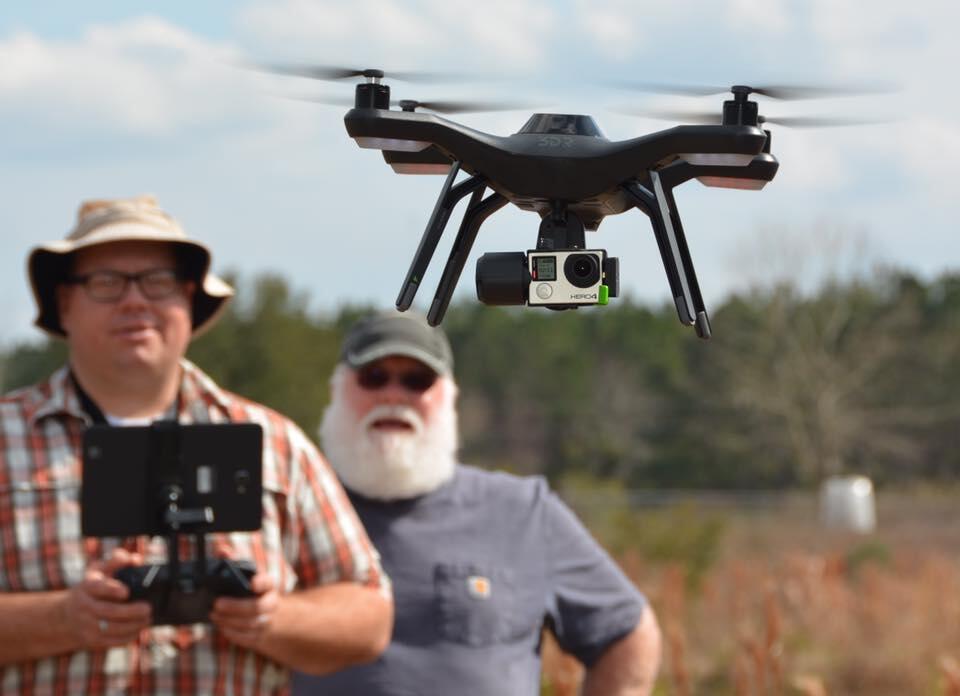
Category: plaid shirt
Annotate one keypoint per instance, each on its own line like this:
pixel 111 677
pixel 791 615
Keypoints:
pixel 310 536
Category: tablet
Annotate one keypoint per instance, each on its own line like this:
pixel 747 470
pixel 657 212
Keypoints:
pixel 171 478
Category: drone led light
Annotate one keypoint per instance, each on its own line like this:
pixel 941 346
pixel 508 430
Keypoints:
pixel 716 159
pixel 391 144
pixel 414 168
pixel 732 182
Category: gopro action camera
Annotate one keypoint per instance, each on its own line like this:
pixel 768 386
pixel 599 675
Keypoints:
pixel 558 278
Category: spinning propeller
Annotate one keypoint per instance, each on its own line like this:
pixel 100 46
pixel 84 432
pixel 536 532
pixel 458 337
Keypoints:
pixel 783 92
pixel 440 107
pixel 332 72
pixel 375 76
pixel 742 111
pixel 712 117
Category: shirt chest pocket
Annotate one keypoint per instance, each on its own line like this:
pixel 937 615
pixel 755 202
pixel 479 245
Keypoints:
pixel 479 605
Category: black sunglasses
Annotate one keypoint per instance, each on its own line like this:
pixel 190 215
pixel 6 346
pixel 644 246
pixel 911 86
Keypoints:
pixel 373 377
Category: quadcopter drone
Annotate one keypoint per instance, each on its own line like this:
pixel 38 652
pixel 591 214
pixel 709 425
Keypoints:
pixel 563 168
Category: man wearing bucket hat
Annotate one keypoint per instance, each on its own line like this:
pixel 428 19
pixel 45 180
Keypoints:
pixel 479 561
pixel 127 290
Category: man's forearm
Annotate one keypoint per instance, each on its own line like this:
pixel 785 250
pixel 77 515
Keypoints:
pixel 33 626
pixel 323 629
pixel 628 667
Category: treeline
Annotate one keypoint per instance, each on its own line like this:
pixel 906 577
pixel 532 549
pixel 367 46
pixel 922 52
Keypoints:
pixel 859 377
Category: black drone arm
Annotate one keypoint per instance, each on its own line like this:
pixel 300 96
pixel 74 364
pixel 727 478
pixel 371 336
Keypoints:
pixel 462 144
pixel 763 167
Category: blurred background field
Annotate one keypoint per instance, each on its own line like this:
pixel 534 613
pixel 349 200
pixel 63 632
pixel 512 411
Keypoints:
pixel 699 464
pixel 756 596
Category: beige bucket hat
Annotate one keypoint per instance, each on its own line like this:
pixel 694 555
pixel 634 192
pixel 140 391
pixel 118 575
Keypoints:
pixel 128 219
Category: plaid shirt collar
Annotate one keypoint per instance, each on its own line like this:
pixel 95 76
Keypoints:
pixel 204 400
pixel 58 396
pixel 54 397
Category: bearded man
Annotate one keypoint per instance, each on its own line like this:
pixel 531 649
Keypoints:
pixel 480 561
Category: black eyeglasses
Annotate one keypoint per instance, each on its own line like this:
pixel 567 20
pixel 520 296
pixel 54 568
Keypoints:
pixel 110 286
pixel 373 377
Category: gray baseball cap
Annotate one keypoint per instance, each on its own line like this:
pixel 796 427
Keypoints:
pixel 394 333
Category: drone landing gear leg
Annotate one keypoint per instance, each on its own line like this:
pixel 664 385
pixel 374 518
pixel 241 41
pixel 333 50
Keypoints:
pixel 450 195
pixel 702 321
pixel 477 212
pixel 660 206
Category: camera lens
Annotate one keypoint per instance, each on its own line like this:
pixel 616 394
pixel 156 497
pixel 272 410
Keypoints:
pixel 582 270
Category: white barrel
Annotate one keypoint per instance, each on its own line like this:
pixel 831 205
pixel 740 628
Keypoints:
pixel 847 503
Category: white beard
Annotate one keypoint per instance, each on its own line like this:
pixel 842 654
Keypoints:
pixel 394 464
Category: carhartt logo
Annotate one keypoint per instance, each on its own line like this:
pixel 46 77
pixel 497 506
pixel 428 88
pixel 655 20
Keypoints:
pixel 478 587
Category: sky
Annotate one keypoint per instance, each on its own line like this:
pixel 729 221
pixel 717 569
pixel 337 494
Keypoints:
pixel 113 99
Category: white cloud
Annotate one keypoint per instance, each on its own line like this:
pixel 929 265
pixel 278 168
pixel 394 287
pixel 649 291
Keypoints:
pixel 508 33
pixel 931 149
pixel 612 26
pixel 908 45
pixel 145 76
pixel 303 25
pixel 764 15
pixel 620 29
pixel 496 34
pixel 911 47
pixel 853 25
pixel 811 161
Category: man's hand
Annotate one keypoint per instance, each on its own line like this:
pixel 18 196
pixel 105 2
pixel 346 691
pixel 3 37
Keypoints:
pixel 244 620
pixel 317 630
pixel 96 612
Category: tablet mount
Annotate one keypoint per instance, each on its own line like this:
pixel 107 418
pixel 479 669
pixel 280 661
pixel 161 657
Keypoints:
pixel 182 592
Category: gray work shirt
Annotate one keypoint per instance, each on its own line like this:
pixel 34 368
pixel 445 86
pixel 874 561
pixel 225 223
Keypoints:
pixel 477 567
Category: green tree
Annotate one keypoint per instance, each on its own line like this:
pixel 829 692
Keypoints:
pixel 27 363
pixel 809 387
pixel 268 348
pixel 858 376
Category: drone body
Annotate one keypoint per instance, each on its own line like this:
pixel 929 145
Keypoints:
pixel 563 168
pixel 554 157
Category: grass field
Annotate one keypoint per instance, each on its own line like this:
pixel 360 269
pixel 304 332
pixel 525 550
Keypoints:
pixel 755 596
